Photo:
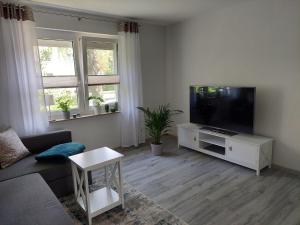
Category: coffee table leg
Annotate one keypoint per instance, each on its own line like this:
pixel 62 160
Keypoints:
pixel 74 179
pixel 90 177
pixel 121 194
pixel 87 195
pixel 106 176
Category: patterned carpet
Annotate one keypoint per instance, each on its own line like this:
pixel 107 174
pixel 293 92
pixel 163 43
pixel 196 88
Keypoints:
pixel 139 210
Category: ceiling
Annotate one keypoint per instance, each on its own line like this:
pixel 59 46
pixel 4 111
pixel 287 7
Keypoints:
pixel 157 11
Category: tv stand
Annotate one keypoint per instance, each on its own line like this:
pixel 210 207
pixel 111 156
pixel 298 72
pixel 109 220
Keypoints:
pixel 254 152
pixel 218 130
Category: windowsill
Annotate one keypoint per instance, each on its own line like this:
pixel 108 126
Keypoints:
pixel 83 117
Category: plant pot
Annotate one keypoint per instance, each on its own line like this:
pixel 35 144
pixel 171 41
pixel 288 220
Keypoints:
pixel 106 107
pixel 157 149
pixel 97 109
pixel 67 115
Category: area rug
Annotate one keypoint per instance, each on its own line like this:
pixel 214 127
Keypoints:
pixel 139 210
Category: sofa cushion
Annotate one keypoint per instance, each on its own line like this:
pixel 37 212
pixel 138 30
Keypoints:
pixel 42 142
pixel 61 152
pixel 28 200
pixel 28 165
pixel 11 148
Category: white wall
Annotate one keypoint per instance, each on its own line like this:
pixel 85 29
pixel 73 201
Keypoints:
pixel 254 43
pixel 105 130
pixel 153 48
pixel 94 132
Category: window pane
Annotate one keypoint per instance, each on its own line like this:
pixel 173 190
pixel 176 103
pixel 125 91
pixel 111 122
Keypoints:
pixel 62 92
pixel 100 62
pixel 109 93
pixel 56 58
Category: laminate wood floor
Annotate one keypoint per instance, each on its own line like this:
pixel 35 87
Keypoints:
pixel 203 190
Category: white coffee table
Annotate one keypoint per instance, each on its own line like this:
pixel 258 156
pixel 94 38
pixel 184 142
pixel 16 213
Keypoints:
pixel 104 199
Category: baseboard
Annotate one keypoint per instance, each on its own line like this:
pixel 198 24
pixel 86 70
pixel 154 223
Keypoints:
pixel 173 135
pixel 292 171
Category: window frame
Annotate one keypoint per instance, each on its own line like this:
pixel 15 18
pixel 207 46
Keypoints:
pixel 84 40
pixel 80 64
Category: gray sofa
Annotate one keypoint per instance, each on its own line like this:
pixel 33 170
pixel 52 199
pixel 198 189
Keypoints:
pixel 26 197
pixel 57 175
pixel 27 200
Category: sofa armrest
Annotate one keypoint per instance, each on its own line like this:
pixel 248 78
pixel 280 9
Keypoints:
pixel 41 142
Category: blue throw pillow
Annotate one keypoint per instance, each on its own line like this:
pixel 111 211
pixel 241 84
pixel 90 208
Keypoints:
pixel 61 152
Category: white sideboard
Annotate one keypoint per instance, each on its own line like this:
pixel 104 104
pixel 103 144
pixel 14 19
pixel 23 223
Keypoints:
pixel 252 151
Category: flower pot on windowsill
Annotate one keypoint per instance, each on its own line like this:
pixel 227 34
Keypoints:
pixel 157 149
pixel 106 107
pixel 97 109
pixel 67 115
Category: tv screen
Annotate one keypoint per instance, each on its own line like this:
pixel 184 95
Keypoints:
pixel 229 108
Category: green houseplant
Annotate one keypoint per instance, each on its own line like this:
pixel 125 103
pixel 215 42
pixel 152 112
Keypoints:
pixel 97 100
pixel 157 122
pixel 64 103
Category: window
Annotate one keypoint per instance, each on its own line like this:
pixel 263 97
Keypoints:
pixel 58 70
pixel 100 61
pixel 62 92
pixel 76 67
pixel 100 57
pixel 57 58
pixel 109 92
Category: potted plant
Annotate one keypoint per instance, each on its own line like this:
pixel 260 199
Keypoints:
pixel 97 100
pixel 64 103
pixel 106 107
pixel 157 122
pixel 115 109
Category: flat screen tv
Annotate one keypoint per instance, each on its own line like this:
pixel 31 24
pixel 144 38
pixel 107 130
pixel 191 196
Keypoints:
pixel 228 108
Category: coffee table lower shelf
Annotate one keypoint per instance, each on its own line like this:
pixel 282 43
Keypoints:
pixel 101 201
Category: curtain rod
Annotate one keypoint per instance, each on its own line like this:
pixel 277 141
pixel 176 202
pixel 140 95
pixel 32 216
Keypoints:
pixel 80 17
pixel 6 5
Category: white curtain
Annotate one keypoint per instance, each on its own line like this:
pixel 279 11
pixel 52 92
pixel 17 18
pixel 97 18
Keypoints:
pixel 131 95
pixel 20 79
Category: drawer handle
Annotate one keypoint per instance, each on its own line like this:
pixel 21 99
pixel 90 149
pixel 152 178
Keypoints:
pixel 194 138
pixel 230 148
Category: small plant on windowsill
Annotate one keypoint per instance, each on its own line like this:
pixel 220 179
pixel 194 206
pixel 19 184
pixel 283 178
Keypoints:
pixel 158 121
pixel 64 103
pixel 116 107
pixel 97 100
